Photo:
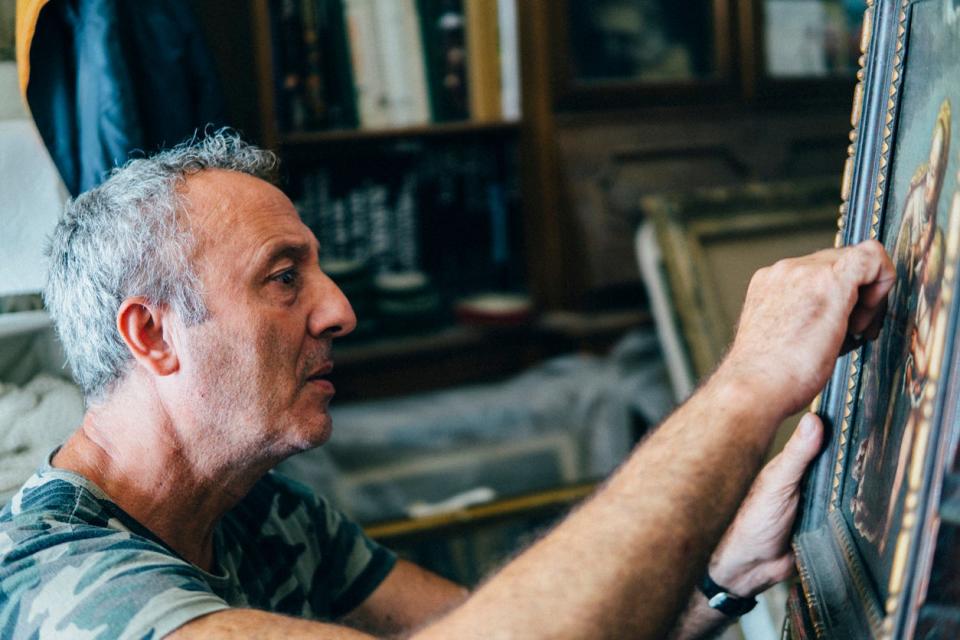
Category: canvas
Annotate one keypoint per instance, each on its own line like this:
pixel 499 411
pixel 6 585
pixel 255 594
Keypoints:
pixel 875 502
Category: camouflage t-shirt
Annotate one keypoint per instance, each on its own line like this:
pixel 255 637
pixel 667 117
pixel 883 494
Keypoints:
pixel 74 565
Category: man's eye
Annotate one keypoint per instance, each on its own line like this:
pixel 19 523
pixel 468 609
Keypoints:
pixel 288 277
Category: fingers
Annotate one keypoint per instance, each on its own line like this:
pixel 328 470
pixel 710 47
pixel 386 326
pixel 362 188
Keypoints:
pixel 786 469
pixel 867 267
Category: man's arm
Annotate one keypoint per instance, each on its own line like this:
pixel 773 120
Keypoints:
pixel 624 564
pixel 408 598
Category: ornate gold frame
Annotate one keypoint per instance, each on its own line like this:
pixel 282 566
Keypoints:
pixel 824 537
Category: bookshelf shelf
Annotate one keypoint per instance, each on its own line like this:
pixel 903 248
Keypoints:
pixel 442 129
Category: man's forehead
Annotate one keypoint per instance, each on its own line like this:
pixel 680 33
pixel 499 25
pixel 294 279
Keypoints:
pixel 237 212
pixel 216 193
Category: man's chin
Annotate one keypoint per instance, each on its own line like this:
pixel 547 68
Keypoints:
pixel 316 433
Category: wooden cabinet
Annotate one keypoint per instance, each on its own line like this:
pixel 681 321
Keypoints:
pixel 593 148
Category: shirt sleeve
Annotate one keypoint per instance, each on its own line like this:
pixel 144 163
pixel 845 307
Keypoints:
pixel 79 581
pixel 363 563
pixel 350 565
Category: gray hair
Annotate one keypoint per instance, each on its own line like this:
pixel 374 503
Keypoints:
pixel 127 237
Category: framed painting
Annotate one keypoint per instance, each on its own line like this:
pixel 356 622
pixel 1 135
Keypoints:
pixel 636 52
pixel 800 52
pixel 877 546
pixel 712 240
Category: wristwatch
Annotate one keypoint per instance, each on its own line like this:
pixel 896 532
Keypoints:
pixel 722 600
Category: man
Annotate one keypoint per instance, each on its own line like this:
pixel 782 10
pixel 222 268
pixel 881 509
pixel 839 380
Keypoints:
pixel 190 301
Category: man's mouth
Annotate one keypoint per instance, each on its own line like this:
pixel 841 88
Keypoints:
pixel 321 376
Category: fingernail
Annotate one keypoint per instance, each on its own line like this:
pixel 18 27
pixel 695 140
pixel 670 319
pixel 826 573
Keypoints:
pixel 807 425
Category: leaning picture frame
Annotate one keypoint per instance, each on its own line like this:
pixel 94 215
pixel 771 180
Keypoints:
pixel 712 240
pixel 708 243
pixel 878 542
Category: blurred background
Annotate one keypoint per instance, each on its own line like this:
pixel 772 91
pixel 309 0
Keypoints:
pixel 545 214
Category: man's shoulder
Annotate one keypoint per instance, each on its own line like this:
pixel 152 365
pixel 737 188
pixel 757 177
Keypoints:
pixel 66 549
pixel 48 495
pixel 54 511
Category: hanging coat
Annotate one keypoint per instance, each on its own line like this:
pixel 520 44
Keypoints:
pixel 107 78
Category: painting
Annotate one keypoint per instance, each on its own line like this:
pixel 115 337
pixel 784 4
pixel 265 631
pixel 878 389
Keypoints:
pixel 879 496
pixel 811 39
pixel 640 40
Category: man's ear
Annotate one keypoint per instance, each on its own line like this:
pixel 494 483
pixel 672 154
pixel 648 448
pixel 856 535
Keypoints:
pixel 141 325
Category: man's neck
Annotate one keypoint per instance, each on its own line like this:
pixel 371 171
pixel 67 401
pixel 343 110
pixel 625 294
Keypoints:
pixel 140 459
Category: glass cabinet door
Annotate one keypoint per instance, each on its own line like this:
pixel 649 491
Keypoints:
pixel 811 38
pixel 641 40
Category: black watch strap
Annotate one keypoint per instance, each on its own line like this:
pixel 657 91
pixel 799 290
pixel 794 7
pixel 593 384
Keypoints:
pixel 722 600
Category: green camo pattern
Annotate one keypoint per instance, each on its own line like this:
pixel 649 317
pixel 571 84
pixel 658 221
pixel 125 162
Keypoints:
pixel 74 565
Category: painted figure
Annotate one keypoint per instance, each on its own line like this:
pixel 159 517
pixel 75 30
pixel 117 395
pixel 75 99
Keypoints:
pixel 896 372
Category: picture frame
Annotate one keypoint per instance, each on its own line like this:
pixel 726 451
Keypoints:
pixel 877 542
pixel 713 240
pixel 772 31
pixel 708 244
pixel 711 72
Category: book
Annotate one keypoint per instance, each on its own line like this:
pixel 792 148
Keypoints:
pixel 288 64
pixel 337 66
pixel 416 61
pixel 398 37
pixel 483 60
pixel 368 73
pixel 312 86
pixel 509 60
pixel 444 52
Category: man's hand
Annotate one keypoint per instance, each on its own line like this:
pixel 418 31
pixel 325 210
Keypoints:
pixel 797 317
pixel 755 553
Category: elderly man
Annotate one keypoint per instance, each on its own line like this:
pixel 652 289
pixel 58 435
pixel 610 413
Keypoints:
pixel 191 304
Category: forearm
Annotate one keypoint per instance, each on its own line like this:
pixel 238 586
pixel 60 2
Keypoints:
pixel 623 564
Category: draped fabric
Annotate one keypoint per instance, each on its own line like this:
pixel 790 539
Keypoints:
pixel 107 78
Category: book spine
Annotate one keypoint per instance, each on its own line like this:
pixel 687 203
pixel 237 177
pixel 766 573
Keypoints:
pixel 509 60
pixel 314 91
pixel 416 61
pixel 381 229
pixel 391 59
pixel 288 43
pixel 483 60
pixel 407 243
pixel 369 81
pixel 341 101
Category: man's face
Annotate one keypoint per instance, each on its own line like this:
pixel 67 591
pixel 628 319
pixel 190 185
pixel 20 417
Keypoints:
pixel 254 371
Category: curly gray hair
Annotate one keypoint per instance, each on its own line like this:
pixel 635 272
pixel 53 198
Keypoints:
pixel 127 237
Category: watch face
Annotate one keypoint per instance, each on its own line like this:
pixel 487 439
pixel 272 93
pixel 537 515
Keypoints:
pixel 719 600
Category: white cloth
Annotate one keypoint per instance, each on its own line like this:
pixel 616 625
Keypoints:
pixel 34 419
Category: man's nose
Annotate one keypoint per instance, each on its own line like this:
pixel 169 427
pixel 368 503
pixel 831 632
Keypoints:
pixel 331 313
